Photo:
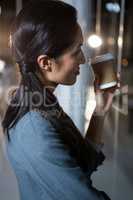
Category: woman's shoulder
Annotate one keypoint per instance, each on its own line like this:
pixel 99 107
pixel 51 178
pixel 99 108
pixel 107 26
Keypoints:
pixel 35 137
pixel 32 127
pixel 33 134
pixel 32 119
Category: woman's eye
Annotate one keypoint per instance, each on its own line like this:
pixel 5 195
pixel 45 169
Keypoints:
pixel 76 52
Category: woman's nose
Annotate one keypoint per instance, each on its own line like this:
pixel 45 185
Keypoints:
pixel 82 58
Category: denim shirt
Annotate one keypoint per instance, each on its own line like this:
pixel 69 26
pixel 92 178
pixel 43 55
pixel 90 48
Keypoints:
pixel 43 167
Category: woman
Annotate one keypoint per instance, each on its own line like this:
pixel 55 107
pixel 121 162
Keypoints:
pixel 50 158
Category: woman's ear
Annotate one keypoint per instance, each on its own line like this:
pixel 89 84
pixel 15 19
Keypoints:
pixel 44 62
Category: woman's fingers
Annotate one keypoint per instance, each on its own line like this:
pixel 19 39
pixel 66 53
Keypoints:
pixel 96 85
pixel 108 102
pixel 112 89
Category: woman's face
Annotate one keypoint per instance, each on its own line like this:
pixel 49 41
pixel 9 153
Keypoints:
pixel 66 68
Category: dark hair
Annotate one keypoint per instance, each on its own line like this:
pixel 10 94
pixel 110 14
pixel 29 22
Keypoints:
pixel 42 27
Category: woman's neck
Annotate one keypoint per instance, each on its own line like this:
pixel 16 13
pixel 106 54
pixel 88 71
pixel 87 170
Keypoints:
pixel 48 84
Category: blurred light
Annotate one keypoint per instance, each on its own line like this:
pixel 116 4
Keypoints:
pixel 0 10
pixel 113 7
pixel 1 91
pixel 111 41
pixel 124 62
pixel 94 41
pixel 10 41
pixel 2 66
pixel 120 41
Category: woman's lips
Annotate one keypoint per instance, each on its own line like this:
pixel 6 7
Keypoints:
pixel 78 71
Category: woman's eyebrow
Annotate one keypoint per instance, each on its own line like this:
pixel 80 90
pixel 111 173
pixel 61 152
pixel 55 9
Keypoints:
pixel 78 46
pixel 81 44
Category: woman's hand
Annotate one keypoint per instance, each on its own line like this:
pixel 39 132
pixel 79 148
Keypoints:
pixel 104 101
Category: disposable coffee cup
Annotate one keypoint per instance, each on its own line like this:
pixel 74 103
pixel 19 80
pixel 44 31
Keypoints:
pixel 103 67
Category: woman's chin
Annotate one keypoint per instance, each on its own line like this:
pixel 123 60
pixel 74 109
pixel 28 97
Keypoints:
pixel 71 82
pixel 68 81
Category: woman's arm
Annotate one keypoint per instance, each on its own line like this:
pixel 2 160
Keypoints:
pixel 95 130
pixel 104 101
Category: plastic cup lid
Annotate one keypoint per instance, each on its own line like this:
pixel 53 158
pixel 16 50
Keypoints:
pixel 101 58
